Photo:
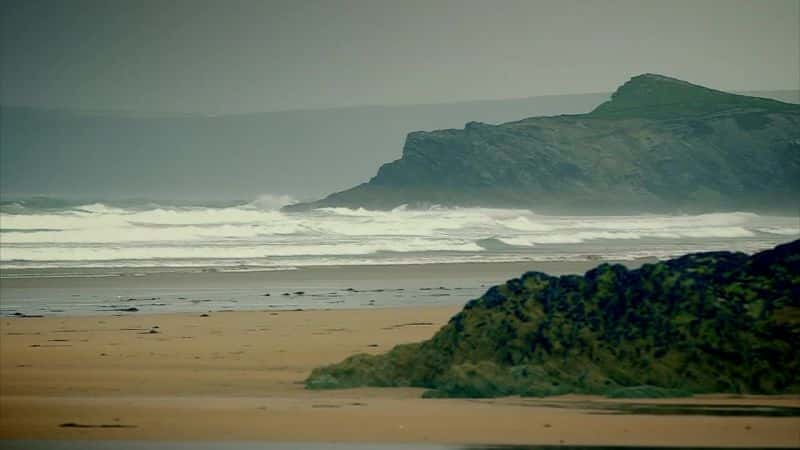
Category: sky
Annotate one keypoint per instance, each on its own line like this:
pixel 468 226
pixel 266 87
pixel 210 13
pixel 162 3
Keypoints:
pixel 222 57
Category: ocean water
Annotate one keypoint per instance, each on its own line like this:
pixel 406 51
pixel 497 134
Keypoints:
pixel 257 236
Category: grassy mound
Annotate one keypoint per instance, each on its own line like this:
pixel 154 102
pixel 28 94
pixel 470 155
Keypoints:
pixel 707 322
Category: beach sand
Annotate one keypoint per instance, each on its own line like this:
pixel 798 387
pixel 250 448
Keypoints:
pixel 239 376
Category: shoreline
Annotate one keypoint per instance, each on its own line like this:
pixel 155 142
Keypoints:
pixel 321 272
pixel 237 376
pixel 312 288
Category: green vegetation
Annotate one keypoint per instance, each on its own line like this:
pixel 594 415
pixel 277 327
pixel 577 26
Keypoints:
pixel 657 96
pixel 706 322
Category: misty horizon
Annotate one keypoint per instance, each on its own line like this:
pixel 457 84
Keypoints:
pixel 785 95
pixel 354 140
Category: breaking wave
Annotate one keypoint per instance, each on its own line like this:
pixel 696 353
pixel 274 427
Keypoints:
pixel 258 234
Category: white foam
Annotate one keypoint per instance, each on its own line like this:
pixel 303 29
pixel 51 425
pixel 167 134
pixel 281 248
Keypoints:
pixel 783 231
pixel 100 234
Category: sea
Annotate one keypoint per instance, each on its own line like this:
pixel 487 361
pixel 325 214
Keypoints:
pixel 258 236
pixel 60 239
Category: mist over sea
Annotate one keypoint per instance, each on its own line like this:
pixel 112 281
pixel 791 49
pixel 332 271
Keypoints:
pixel 253 236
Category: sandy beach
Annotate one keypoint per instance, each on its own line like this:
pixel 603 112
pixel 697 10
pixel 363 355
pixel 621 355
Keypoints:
pixel 238 376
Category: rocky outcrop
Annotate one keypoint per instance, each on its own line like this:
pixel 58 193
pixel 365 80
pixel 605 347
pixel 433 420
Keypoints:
pixel 706 322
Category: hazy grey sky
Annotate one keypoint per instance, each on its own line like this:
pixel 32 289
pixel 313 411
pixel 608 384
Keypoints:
pixel 242 56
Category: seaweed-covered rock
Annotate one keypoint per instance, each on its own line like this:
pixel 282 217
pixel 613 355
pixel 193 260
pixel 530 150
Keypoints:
pixel 705 322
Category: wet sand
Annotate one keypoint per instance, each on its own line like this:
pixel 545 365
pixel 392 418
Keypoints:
pixel 309 275
pixel 238 376
pixel 64 292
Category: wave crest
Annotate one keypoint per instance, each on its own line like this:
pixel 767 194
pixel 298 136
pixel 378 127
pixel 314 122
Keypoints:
pixel 258 232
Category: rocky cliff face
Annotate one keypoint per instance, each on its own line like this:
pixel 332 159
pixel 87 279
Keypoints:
pixel 659 144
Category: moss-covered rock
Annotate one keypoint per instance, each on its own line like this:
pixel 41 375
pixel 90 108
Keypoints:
pixel 706 322
pixel 647 392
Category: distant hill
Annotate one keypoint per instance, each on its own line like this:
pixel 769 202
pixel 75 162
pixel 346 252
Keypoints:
pixel 659 144
pixel 705 322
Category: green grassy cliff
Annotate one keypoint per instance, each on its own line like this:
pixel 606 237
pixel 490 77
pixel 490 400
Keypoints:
pixel 706 322
pixel 658 97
